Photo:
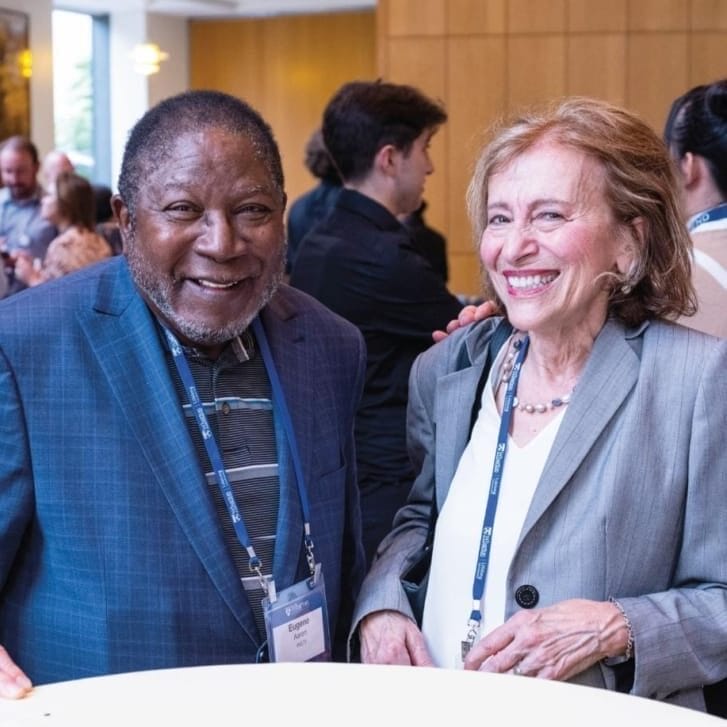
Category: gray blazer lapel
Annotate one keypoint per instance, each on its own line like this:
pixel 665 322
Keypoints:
pixel 609 376
pixel 122 333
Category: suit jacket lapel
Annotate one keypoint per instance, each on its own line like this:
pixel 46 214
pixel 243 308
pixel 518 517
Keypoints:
pixel 124 337
pixel 284 334
pixel 609 376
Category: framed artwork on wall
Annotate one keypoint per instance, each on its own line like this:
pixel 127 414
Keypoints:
pixel 15 70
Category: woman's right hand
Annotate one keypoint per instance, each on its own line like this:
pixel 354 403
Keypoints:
pixel 389 637
pixel 14 684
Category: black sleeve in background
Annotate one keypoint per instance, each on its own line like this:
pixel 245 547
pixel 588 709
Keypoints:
pixel 715 696
pixel 411 296
pixel 361 263
pixel 432 246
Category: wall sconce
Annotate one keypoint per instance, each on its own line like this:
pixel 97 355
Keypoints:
pixel 147 57
pixel 25 63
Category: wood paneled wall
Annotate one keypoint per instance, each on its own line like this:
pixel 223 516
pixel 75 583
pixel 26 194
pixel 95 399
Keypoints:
pixel 287 68
pixel 484 58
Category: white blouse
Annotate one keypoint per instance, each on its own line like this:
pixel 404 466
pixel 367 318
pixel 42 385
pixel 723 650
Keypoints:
pixel 459 529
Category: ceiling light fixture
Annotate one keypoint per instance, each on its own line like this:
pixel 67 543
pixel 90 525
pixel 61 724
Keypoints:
pixel 147 58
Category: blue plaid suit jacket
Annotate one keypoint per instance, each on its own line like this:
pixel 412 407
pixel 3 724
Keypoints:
pixel 111 556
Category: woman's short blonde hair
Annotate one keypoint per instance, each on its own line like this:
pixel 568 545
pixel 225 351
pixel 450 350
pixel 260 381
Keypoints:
pixel 639 184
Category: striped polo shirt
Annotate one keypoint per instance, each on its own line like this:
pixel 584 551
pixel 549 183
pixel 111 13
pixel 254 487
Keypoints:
pixel 236 394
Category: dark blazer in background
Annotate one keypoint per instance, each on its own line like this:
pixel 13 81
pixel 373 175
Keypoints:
pixel 361 264
pixel 428 242
pixel 306 212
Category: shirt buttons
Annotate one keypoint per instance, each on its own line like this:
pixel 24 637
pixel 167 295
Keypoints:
pixel 226 408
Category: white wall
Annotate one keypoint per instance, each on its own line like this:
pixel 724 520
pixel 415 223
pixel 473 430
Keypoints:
pixel 131 93
pixel 171 35
pixel 41 83
pixel 129 90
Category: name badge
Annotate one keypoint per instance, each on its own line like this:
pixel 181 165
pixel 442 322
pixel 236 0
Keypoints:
pixel 297 622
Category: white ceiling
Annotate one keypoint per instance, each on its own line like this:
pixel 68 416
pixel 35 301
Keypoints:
pixel 216 8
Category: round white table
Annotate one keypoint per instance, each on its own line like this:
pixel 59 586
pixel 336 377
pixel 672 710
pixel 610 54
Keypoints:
pixel 325 695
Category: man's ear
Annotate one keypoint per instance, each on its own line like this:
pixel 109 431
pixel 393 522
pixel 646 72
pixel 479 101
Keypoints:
pixel 121 213
pixel 386 159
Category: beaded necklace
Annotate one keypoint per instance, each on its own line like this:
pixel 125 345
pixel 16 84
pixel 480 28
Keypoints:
pixel 555 403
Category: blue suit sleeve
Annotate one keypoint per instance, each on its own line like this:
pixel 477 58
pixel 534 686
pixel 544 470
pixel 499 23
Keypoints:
pixel 16 483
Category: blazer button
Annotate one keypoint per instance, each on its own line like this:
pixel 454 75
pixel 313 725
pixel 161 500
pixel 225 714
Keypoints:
pixel 527 596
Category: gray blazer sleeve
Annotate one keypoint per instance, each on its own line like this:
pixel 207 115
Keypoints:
pixel 631 503
pixel 681 633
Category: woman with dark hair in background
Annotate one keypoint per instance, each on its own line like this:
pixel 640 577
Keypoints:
pixel 311 207
pixel 696 134
pixel 70 205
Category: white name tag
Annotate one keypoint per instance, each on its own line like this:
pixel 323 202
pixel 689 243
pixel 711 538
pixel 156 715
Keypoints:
pixel 301 639
pixel 297 622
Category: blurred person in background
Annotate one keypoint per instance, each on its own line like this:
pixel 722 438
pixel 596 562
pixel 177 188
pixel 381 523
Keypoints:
pixel 68 205
pixel 428 242
pixel 57 161
pixel 22 227
pixel 361 263
pixel 54 162
pixel 313 206
pixel 696 135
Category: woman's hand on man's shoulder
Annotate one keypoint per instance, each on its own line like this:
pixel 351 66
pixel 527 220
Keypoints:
pixel 468 314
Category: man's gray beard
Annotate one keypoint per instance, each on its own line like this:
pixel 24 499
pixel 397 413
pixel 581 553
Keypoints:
pixel 159 292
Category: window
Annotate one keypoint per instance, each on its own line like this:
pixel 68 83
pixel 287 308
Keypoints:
pixel 80 91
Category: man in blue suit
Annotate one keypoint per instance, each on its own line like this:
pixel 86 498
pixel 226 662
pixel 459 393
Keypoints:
pixel 152 404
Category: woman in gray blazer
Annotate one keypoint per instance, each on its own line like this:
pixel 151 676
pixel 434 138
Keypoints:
pixel 581 529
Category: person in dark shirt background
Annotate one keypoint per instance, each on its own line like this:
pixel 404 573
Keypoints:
pixel 315 204
pixel 361 263
pixel 428 242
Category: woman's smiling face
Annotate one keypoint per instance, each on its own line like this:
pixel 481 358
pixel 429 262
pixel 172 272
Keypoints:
pixel 551 239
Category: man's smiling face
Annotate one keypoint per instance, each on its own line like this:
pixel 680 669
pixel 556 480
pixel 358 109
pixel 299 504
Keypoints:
pixel 206 240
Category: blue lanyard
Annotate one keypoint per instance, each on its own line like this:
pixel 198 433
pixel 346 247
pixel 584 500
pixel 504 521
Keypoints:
pixel 281 407
pixel 213 452
pixel 488 526
pixel 711 215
